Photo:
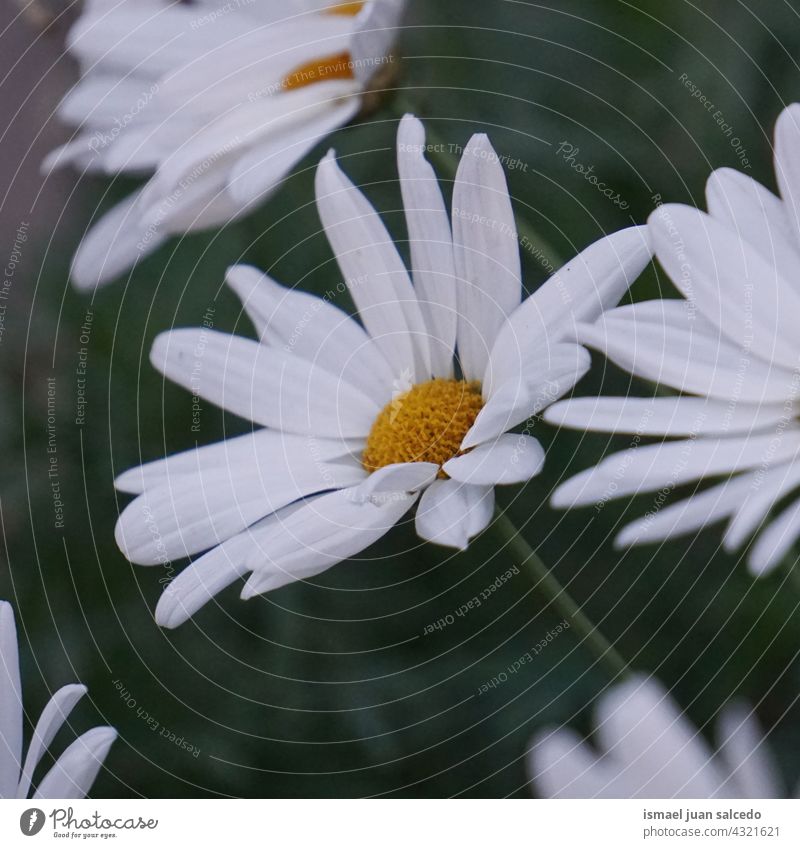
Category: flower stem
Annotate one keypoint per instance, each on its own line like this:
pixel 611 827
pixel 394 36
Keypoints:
pixel 447 156
pixel 546 583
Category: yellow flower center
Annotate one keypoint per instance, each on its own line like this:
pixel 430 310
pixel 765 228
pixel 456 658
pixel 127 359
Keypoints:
pixel 337 66
pixel 425 424
pixel 349 9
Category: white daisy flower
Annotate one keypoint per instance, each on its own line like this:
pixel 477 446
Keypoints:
pixel 73 773
pixel 218 102
pixel 732 345
pixel 647 748
pixel 362 420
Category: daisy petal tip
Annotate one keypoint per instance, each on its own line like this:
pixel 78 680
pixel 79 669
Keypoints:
pixel 566 495
pixel 627 538
pixel 249 592
pixel 410 134
pixel 169 613
pixel 759 565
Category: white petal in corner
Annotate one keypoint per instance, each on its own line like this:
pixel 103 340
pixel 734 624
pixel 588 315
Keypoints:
pixel 767 487
pixel 787 163
pixel 665 756
pixel 486 252
pixel 513 458
pixel 562 765
pixel 10 704
pixel 263 384
pixel 313 329
pixel 754 213
pixel 594 280
pixel 648 468
pixel 670 416
pixel 431 245
pixel 663 341
pixel 729 281
pixel 113 244
pixel 374 272
pixel 318 535
pixel 403 477
pixel 75 770
pixel 688 515
pixel 774 543
pixel 50 722
pixel 451 513
pixel 744 749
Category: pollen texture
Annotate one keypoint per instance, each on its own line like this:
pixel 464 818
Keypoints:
pixel 425 424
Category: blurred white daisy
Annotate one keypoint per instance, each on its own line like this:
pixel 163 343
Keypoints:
pixel 73 773
pixel 732 343
pixel 217 101
pixel 647 748
pixel 362 420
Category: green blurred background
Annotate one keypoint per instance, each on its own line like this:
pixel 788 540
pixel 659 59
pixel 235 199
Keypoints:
pixel 331 688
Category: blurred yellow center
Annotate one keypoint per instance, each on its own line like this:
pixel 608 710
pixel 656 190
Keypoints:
pixel 425 424
pixel 337 66
pixel 349 9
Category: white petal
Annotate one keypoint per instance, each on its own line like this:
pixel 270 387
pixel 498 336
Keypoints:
pixel 238 130
pixel 787 163
pixel 206 577
pixel 562 765
pixel 264 448
pixel 374 272
pixel 767 486
pixel 486 252
pixel 512 458
pixel 671 416
pixel 431 244
pixel 260 171
pixel 594 280
pixel 400 477
pixel 774 543
pixel 114 244
pixel 313 329
pixel 50 722
pixel 192 513
pixel 728 281
pixel 263 384
pixel 10 704
pixel 652 467
pixel 374 36
pixel 663 754
pixel 451 513
pixel 746 753
pixel 754 213
pixel 688 515
pixel 75 770
pixel 253 66
pixel 666 342
pixel 518 399
pixel 146 36
pixel 318 535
